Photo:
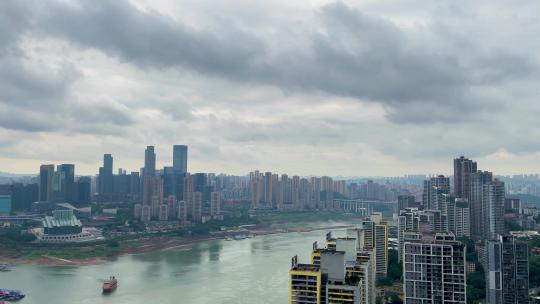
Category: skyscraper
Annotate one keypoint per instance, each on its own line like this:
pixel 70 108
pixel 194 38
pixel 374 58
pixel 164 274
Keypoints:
pixel 135 184
pixel 434 270
pixel 180 156
pixel 106 175
pixel 463 168
pixel 46 173
pixel 507 271
pixel 83 192
pixel 67 182
pixel 149 161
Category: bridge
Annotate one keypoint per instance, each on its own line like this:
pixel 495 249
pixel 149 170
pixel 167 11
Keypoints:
pixel 361 206
pixel 20 218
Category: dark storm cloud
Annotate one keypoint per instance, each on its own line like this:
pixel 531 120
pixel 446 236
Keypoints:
pixel 37 100
pixel 149 39
pixel 22 85
pixel 24 120
pixel 349 54
pixel 268 82
pixel 13 21
pixel 101 113
pixel 35 97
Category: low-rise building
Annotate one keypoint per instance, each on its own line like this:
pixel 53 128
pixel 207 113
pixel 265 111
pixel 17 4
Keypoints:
pixel 63 226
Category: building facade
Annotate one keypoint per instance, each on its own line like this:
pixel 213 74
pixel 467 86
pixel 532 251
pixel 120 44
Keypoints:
pixel 507 271
pixel 434 270
pixel 180 158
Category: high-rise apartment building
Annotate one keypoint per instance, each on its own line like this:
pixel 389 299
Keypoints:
pixel 146 213
pixel 493 205
pixel 337 274
pixel 433 188
pixel 215 204
pixel 286 189
pixel 507 277
pixel 408 221
pixel 477 202
pixel 276 192
pixel 462 220
pixel 295 192
pixel 373 236
pixel 434 270
pixel 153 194
pixel 46 173
pixel 463 168
pixel 196 211
pixel 256 190
pixel 163 212
pixel 182 211
pixel 188 193
pixel 267 188
pixel 406 201
pixel 180 158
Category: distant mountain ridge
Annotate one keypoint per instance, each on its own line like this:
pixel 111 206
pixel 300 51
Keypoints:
pixel 14 175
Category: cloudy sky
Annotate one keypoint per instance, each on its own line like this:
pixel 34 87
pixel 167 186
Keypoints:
pixel 308 87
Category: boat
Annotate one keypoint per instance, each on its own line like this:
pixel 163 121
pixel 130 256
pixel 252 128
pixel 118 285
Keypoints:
pixel 110 284
pixel 4 268
pixel 228 238
pixel 11 295
pixel 240 237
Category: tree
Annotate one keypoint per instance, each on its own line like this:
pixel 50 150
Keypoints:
pixel 476 281
pixel 383 282
pixel 534 272
pixel 476 285
pixel 395 268
pixel 394 299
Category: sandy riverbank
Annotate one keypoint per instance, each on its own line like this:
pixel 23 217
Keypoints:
pixel 148 244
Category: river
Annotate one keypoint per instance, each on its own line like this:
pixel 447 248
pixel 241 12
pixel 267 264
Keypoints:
pixel 253 270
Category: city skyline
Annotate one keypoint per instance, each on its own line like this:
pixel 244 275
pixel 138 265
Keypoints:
pixel 91 169
pixel 186 150
pixel 370 88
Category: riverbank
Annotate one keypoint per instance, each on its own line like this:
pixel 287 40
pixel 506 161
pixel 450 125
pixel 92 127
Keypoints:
pixel 97 254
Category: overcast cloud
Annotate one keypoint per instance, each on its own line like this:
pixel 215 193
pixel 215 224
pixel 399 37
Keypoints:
pixel 303 87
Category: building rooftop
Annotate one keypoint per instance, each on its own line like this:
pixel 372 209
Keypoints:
pixel 61 218
pixel 305 267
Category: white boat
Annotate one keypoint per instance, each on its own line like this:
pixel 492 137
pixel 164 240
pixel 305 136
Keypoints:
pixel 4 268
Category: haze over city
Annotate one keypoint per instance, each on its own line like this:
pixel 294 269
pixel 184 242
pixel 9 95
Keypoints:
pixel 338 88
pixel 284 151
